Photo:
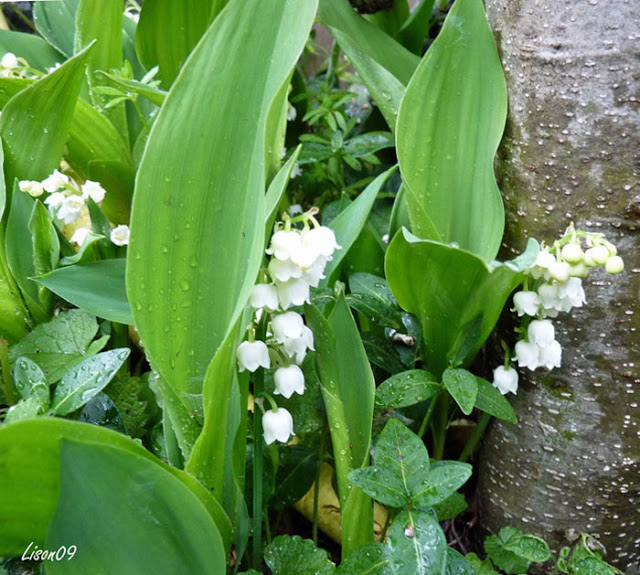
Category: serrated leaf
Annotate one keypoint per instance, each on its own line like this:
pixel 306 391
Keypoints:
pixel 445 478
pixel 286 555
pixel 86 380
pixel 57 345
pixel 416 544
pixel 407 388
pixel 491 401
pixel 462 386
pixel 447 137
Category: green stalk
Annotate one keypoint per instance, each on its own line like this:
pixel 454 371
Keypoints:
pixel 477 434
pixel 439 426
pixel 427 416
pixel 7 381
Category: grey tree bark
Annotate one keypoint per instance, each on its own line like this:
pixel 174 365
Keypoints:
pixel 572 153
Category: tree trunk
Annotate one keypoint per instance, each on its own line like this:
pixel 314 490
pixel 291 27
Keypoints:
pixel 572 153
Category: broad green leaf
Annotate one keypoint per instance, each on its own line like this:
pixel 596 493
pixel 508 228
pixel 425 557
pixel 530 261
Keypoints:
pixel 530 547
pixel 401 467
pixel 481 567
pixel 97 287
pixel 348 391
pixel 496 548
pixel 446 288
pixel 202 178
pixel 366 560
pixel 384 65
pixel 593 566
pixel 451 507
pixel 286 555
pixel 444 479
pixel 371 296
pixel 28 408
pixel 35 123
pixel 100 21
pixel 150 523
pixel 491 401
pixel 86 380
pixel 25 518
pixel 46 246
pixel 156 39
pixel 59 344
pixel 416 27
pixel 368 143
pixel 29 379
pixel 297 470
pixel 38 54
pixel 462 386
pixel 56 22
pixel 87 252
pixel 416 544
pixel 19 249
pixel 449 126
pixel 457 564
pixel 407 388
pixel 348 224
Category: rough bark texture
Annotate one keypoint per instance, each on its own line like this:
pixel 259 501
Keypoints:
pixel 572 153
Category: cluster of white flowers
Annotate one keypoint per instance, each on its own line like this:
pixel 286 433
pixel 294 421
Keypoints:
pixel 66 200
pixel 298 259
pixel 556 280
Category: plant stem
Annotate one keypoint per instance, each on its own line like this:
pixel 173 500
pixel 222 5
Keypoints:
pixel 477 434
pixel 7 381
pixel 427 416
pixel 439 426
pixel 385 528
pixel 316 504
pixel 267 527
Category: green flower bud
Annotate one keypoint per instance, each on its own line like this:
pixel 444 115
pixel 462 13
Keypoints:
pixel 572 253
pixel 597 254
pixel 579 270
pixel 614 265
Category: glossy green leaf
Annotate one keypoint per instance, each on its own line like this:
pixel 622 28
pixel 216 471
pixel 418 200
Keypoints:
pixel 451 507
pixel 28 378
pixel 481 567
pixel 366 560
pixel 416 544
pixel 384 65
pixel 297 470
pixel 496 548
pixel 530 547
pixel 457 564
pixel 348 391
pixel 491 401
pixel 286 555
pixel 446 288
pixel 86 380
pixel 407 388
pixel 449 126
pixel 25 518
pixel 156 39
pixel 35 123
pixel 101 22
pixel 444 479
pixel 348 224
pixel 38 54
pixel 29 408
pixel 56 22
pixel 59 344
pixel 463 387
pixel 369 143
pixel 46 246
pixel 97 287
pixel 416 27
pixel 150 523
pixel 197 229
pixel 371 296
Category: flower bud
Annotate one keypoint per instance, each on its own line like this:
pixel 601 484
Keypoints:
pixel 277 425
pixel 252 355
pixel 598 254
pixel 34 189
pixel 572 253
pixel 614 265
pixel 288 380
pixel 506 380
pixel 579 270
pixel 559 271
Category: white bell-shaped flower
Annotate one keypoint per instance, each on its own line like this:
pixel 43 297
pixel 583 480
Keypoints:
pixel 120 235
pixel 297 348
pixel 252 355
pixel 94 191
pixel 526 303
pixel 283 270
pixel 314 273
pixel 54 201
pixel 9 61
pixel 79 235
pixel 286 326
pixel 572 292
pixel 559 271
pixel 322 240
pixel 293 292
pixel 277 425
pixel 550 356
pixel 54 182
pixel 264 296
pixel 284 244
pixel 506 380
pixel 541 332
pixel 548 293
pixel 541 267
pixel 70 209
pixel 527 355
pixel 288 380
